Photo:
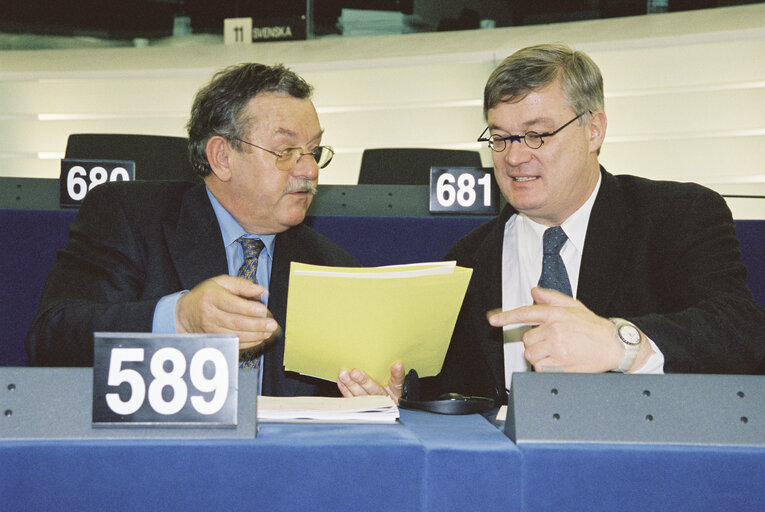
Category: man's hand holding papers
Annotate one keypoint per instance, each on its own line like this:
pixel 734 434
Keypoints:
pixel 381 320
pixel 357 383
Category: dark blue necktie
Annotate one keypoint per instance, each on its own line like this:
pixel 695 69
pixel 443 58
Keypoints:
pixel 251 248
pixel 554 275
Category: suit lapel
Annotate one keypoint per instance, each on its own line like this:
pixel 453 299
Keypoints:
pixel 280 275
pixel 486 294
pixel 287 248
pixel 607 245
pixel 194 240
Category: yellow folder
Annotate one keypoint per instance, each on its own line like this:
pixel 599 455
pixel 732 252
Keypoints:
pixel 368 318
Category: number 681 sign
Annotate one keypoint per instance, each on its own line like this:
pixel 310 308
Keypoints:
pixel 466 190
pixel 165 380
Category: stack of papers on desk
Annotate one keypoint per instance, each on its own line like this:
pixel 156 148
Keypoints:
pixel 369 318
pixel 311 409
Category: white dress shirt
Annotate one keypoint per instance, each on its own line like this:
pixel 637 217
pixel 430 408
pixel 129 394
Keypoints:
pixel 521 267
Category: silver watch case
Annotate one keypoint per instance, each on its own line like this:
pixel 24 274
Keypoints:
pixel 629 335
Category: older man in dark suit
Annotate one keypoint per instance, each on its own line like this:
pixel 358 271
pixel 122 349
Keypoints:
pixel 212 257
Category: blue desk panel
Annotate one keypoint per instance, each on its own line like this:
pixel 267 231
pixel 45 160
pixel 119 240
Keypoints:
pixel 591 478
pixel 470 464
pixel 428 462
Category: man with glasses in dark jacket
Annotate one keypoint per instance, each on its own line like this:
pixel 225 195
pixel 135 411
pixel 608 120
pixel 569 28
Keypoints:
pixel 585 271
pixel 169 257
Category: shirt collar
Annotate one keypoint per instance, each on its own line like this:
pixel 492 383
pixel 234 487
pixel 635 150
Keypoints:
pixel 575 226
pixel 231 230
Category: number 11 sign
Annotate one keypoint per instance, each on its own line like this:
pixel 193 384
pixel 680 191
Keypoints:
pixel 237 30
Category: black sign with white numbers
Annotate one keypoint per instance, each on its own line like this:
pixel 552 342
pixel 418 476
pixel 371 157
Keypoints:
pixel 165 380
pixel 78 177
pixel 465 190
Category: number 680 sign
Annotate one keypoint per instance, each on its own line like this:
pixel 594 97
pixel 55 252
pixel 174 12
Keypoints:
pixel 145 379
pixel 78 177
pixel 467 190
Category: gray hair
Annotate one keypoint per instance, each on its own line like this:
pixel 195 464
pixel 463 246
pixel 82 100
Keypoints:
pixel 534 67
pixel 219 106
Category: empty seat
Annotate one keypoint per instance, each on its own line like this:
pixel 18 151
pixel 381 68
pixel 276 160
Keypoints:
pixel 410 166
pixel 156 157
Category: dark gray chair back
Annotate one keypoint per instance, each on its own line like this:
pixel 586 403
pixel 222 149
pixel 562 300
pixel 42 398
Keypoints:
pixel 410 166
pixel 156 157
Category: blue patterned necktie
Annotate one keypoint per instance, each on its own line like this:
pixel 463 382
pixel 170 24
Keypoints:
pixel 554 275
pixel 252 248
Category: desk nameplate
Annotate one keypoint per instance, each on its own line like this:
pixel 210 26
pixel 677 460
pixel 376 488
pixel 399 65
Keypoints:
pixel 161 380
pixel 651 409
pixel 56 403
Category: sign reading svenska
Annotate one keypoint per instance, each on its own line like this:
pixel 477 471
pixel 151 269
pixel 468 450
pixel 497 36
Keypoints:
pixel 245 30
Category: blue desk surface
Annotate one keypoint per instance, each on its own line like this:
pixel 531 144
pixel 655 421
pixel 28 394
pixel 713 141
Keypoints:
pixel 428 462
pixel 643 478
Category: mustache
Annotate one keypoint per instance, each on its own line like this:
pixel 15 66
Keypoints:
pixel 301 185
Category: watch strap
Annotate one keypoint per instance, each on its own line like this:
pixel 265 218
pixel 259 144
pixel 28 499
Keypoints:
pixel 630 349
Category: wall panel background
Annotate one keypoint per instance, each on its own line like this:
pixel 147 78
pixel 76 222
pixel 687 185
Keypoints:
pixel 685 93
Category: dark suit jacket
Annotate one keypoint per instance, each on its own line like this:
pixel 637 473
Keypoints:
pixel 661 254
pixel 131 244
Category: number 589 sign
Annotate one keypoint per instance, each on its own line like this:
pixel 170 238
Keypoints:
pixel 466 190
pixel 166 380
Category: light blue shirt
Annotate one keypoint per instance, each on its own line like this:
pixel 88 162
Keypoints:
pixel 231 230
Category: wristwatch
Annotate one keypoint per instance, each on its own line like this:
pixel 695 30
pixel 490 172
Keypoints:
pixel 629 335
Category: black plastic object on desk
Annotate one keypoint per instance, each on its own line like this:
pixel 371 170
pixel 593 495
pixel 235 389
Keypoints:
pixel 448 403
